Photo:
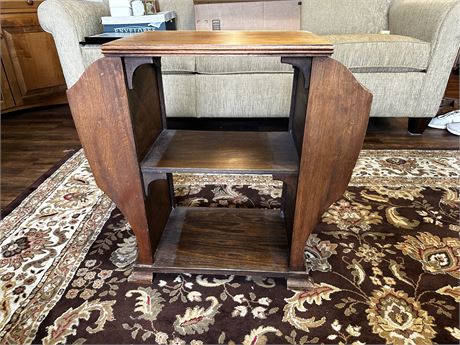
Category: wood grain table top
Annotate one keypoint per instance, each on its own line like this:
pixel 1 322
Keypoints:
pixel 260 43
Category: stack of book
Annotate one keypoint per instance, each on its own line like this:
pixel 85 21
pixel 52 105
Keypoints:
pixel 135 24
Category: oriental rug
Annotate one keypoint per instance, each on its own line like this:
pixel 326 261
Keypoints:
pixel 385 261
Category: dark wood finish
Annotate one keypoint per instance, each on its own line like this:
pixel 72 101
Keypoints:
pixel 215 240
pixel 10 87
pixel 106 133
pixel 453 87
pixel 300 90
pixel 159 203
pixel 288 201
pixel 417 125
pixel 139 276
pixel 298 282
pixel 275 124
pixel 392 134
pixel 132 64
pixel 222 152
pixel 336 120
pixel 328 121
pixel 7 100
pixel 32 141
pixel 29 58
pixel 223 240
pixel 145 103
pixel 13 6
pixel 164 43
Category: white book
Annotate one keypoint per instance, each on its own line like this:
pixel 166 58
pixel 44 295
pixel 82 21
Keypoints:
pixel 120 3
pixel 152 18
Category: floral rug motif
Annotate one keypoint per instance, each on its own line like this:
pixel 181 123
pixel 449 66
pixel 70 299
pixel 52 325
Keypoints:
pixel 385 260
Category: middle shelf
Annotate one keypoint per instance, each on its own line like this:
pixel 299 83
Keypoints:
pixel 187 151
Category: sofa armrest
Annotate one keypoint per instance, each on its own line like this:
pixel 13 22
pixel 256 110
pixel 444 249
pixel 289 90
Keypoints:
pixel 69 21
pixel 437 22
pixel 426 20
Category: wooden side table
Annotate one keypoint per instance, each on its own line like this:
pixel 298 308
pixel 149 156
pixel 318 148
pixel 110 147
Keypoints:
pixel 119 113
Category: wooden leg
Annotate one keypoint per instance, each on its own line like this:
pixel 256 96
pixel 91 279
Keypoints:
pixel 288 201
pixel 335 126
pixel 158 205
pixel 139 275
pixel 417 125
pixel 299 282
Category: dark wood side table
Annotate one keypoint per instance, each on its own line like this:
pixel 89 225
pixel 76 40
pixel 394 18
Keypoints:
pixel 119 113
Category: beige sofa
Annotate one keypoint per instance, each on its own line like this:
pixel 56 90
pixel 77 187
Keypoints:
pixel 407 71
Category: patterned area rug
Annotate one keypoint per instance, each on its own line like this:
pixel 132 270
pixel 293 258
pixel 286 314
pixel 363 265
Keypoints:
pixel 385 261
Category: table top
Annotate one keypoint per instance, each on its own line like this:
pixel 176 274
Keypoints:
pixel 260 43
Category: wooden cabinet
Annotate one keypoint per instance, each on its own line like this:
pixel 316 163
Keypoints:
pixel 7 100
pixel 31 72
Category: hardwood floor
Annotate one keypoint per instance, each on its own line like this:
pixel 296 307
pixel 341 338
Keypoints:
pixel 33 141
pixel 453 87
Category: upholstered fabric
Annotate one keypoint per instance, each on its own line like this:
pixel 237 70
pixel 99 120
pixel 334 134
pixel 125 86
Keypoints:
pixel 420 19
pixel 344 16
pixel 439 22
pixel 180 95
pixel 90 53
pixel 381 53
pixel 181 64
pixel 169 64
pixel 223 87
pixel 185 13
pixel 243 95
pixel 240 64
pixel 395 94
pixel 69 22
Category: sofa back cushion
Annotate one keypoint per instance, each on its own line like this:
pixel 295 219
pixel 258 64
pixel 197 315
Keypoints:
pixel 185 14
pixel 345 16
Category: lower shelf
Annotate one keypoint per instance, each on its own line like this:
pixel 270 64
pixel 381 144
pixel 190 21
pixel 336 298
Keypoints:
pixel 223 241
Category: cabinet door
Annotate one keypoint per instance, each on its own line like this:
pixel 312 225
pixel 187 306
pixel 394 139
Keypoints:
pixel 7 100
pixel 34 59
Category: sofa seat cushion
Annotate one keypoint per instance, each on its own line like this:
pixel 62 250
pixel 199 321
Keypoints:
pixel 169 64
pixel 178 64
pixel 381 53
pixel 240 65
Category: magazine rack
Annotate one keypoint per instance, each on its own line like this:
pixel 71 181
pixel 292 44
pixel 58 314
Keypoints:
pixel 119 112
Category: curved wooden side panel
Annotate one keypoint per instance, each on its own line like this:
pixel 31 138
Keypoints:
pixel 100 109
pixel 335 126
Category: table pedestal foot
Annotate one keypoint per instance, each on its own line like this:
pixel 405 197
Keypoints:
pixel 141 276
pixel 299 282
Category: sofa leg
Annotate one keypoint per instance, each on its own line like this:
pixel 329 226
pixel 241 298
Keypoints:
pixel 417 125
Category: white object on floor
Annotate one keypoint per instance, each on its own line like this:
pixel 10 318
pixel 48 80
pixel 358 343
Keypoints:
pixel 454 128
pixel 441 122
